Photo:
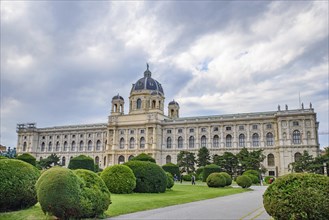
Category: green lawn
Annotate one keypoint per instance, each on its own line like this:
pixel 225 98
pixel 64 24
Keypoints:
pixel 128 203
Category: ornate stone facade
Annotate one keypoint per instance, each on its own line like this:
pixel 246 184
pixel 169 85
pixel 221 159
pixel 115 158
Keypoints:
pixel 282 134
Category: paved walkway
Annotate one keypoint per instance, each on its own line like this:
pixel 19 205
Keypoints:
pixel 248 205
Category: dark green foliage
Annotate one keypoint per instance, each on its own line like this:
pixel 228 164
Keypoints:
pixel 3 157
pixel 254 179
pixel 209 169
pixel 267 179
pixel 95 197
pixel 28 158
pixel 82 162
pixel 17 184
pixel 298 196
pixel 51 160
pixel 216 180
pixel 203 157
pixel 186 161
pixel 72 194
pixel 119 179
pixel 251 172
pixel 187 177
pixel 171 168
pixel 170 180
pixel 143 157
pixel 227 177
pixel 250 160
pixel 228 162
pixel 244 181
pixel 150 178
pixel 199 170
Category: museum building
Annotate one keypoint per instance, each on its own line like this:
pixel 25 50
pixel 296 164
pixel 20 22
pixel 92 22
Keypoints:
pixel 283 134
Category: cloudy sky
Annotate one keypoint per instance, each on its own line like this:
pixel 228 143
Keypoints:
pixel 63 61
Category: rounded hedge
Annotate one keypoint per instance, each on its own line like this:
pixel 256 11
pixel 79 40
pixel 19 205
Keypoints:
pixel 150 178
pixel 244 181
pixel 209 169
pixel 251 172
pixel 298 196
pixel 28 158
pixel 170 180
pixel 82 162
pixel 216 180
pixel 143 157
pixel 187 177
pixel 172 168
pixel 119 179
pixel 17 184
pixel 227 177
pixel 95 197
pixel 254 179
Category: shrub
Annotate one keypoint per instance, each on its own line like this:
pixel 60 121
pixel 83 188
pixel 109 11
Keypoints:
pixel 216 180
pixel 170 180
pixel 252 172
pixel 298 196
pixel 211 168
pixel 17 184
pixel 150 178
pixel 172 168
pixel 244 181
pixel 82 162
pixel 95 197
pixel 227 177
pixel 187 177
pixel 119 179
pixel 143 157
pixel 28 158
pixel 3 157
pixel 254 179
pixel 267 179
pixel 199 170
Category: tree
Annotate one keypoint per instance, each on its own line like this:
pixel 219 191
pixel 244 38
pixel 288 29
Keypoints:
pixel 250 160
pixel 203 157
pixel 186 161
pixel 228 162
pixel 308 164
pixel 51 160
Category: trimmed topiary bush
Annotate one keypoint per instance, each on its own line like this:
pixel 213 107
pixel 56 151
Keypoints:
pixel 143 157
pixel 72 194
pixel 28 158
pixel 251 172
pixel 17 184
pixel 216 180
pixel 298 196
pixel 95 197
pixel 267 179
pixel 209 169
pixel 119 179
pixel 227 177
pixel 170 180
pixel 254 179
pixel 172 168
pixel 187 177
pixel 244 181
pixel 82 162
pixel 150 178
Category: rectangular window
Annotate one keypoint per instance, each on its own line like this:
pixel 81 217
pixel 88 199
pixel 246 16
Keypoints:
pixel 132 131
pixel 228 128
pixel 191 130
pixel 81 135
pixel 254 127
pixel 50 137
pixel 269 126
pixel 241 127
pixel 295 123
pixel 73 136
pixel 180 130
pixel 215 128
pixel 142 131
pixel 203 129
pixel 168 131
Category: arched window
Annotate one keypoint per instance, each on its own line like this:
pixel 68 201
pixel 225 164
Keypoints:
pixel 57 146
pixel 270 160
pixel 139 103
pixel 169 142
pixel 121 159
pixel 24 146
pixel 73 146
pixel 90 145
pixel 42 146
pixel 297 156
pixel 104 161
pixel 228 140
pixel 105 144
pixel 168 159
pixel 115 108
pixel 191 142
pixel 255 140
pixel 216 141
pixel 130 157
pixel 269 139
pixel 242 140
pixel 81 146
pixel 65 146
pixel 98 145
pixel 296 137
pixel 142 143
pixel 97 160
pixel 132 143
pixel 63 161
pixel 203 141
pixel 50 147
pixel 180 142
pixel 122 143
pixel 153 104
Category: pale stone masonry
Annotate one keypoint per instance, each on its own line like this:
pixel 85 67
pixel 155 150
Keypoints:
pixel 283 134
